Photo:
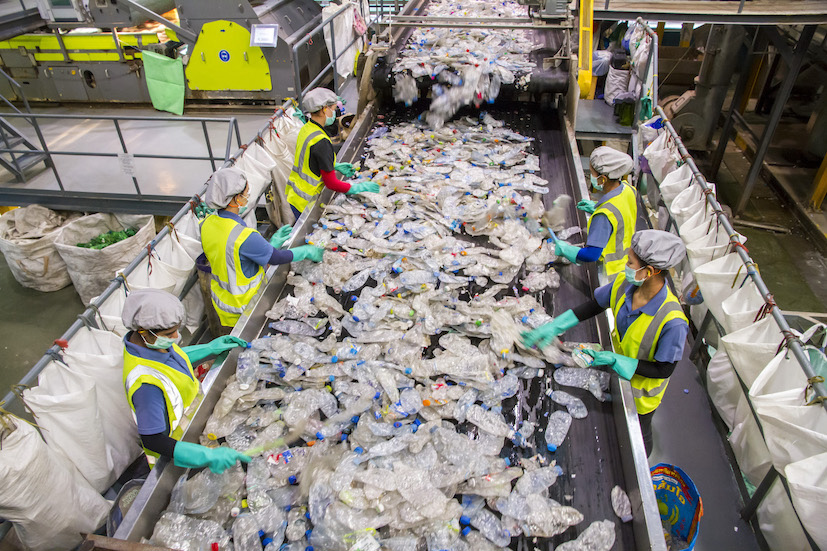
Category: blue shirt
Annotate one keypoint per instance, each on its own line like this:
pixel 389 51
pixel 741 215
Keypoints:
pixel 150 406
pixel 256 251
pixel 600 229
pixel 672 337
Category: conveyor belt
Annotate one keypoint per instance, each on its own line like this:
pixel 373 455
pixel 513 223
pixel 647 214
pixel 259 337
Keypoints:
pixel 597 453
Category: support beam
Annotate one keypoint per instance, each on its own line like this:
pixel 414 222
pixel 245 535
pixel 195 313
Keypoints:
pixel 775 117
pixel 820 188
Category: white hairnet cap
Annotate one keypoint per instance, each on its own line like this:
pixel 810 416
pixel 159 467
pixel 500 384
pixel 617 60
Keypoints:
pixel 224 184
pixel 152 309
pixel 318 98
pixel 659 249
pixel 611 162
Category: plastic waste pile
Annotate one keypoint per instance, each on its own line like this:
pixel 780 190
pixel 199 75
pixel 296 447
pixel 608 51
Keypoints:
pixel 109 238
pixel 466 66
pixel 374 409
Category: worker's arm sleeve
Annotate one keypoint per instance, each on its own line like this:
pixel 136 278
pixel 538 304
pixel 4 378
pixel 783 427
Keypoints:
pixel 150 409
pixel 671 341
pixel 603 295
pixel 589 254
pixel 656 369
pixel 331 181
pixel 587 310
pixel 257 249
pixel 160 443
pixel 600 230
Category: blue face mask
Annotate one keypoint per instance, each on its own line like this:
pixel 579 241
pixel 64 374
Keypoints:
pixel 242 210
pixel 595 184
pixel 330 120
pixel 161 343
pixel 630 276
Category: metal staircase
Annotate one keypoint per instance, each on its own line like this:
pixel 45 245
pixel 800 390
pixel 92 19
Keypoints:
pixel 19 154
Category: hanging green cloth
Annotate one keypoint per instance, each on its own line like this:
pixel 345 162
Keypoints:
pixel 165 81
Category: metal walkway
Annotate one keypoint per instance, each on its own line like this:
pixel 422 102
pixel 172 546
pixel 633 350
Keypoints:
pixel 751 12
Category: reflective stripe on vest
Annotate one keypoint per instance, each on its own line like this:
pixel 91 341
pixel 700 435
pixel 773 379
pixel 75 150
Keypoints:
pixel 180 391
pixel 640 341
pixel 303 185
pixel 621 211
pixel 231 290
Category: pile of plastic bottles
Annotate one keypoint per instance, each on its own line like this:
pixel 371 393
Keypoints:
pixel 373 412
pixel 467 66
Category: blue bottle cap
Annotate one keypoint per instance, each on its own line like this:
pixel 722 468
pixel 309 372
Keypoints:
pixel 356 319
pixel 551 447
pixel 266 541
pixel 292 479
pixel 354 419
pixel 359 450
pixel 507 462
pixel 331 378
pixel 248 345
pixel 464 520
pixel 466 530
pixel 377 395
pixel 261 533
pixel 343 437
pixel 307 516
pixel 397 424
pixel 312 299
pixel 319 436
pixel 308 548
pixel 288 507
pixel 307 533
pixel 417 422
pixel 408 371
pixel 334 359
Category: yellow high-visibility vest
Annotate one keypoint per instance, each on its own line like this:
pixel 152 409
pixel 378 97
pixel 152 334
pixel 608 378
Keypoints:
pixel 621 210
pixel 641 341
pixel 182 393
pixel 303 186
pixel 231 290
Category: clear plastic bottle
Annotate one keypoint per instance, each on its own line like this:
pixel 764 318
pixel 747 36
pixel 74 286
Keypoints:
pixel 257 475
pixel 536 481
pixel 410 402
pixel 596 382
pixel 489 421
pixel 245 532
pixel 246 371
pixel 621 505
pixel 489 526
pixel 599 536
pixel 466 401
pixel 523 436
pixel 557 428
pixel 575 406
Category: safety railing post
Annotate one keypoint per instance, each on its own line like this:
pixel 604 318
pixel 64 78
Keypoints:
pixel 123 146
pixel 209 145
pixel 335 59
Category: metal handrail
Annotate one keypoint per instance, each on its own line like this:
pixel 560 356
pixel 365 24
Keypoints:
pixel 87 318
pixel 232 131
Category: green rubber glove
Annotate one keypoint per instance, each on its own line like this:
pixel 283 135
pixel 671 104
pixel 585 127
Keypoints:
pixel 566 250
pixel 622 365
pixel 193 456
pixel 543 335
pixel 346 169
pixel 282 234
pixel 198 352
pixel 307 252
pixel 587 206
pixel 363 187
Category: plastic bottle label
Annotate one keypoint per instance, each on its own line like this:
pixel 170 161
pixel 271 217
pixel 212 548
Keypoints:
pixel 366 542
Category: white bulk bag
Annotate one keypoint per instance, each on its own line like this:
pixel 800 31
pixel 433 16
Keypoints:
pixel 343 35
pixel 617 82
pixel 150 274
pixel 688 202
pixel 750 349
pixel 722 384
pixel 675 182
pixel 174 258
pixel 793 430
pixel 188 234
pixel 283 155
pixel 808 487
pixel 711 245
pixel 92 270
pixel 698 225
pixel 65 405
pixel 778 522
pixel 718 279
pixel 109 313
pixel 99 354
pixel 48 502
pixel 256 163
pixel 661 156
pixel 27 240
pixel 748 445
pixel 741 307
pixel 194 307
pixel 288 126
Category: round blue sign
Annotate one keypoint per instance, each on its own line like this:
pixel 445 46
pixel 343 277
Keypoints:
pixel 224 55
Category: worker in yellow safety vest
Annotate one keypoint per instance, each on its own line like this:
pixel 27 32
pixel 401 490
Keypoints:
pixel 161 386
pixel 238 254
pixel 650 327
pixel 613 217
pixel 314 164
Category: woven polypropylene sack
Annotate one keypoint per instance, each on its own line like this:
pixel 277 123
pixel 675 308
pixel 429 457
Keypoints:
pixel 617 82
pixel 674 183
pixel 779 523
pixel 718 279
pixel 661 157
pixel 808 488
pixel 687 203
pixel 711 245
pixel 742 307
pixel 47 501
pixel 92 270
pixel 27 240
pixel 256 163
pixel 750 349
pixel 748 445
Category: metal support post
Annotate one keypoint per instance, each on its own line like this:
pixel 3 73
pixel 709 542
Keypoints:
pixel 740 88
pixel 760 493
pixel 775 116
pixel 209 145
pixel 820 188
pixel 123 146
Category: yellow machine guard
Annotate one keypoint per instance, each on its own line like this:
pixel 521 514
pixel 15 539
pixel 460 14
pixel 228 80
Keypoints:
pixel 223 59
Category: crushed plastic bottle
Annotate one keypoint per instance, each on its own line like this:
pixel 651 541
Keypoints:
pixel 599 536
pixel 575 406
pixel 557 429
pixel 246 371
pixel 596 382
pixel 621 505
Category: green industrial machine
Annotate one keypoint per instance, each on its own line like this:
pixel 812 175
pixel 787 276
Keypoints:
pixel 232 51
